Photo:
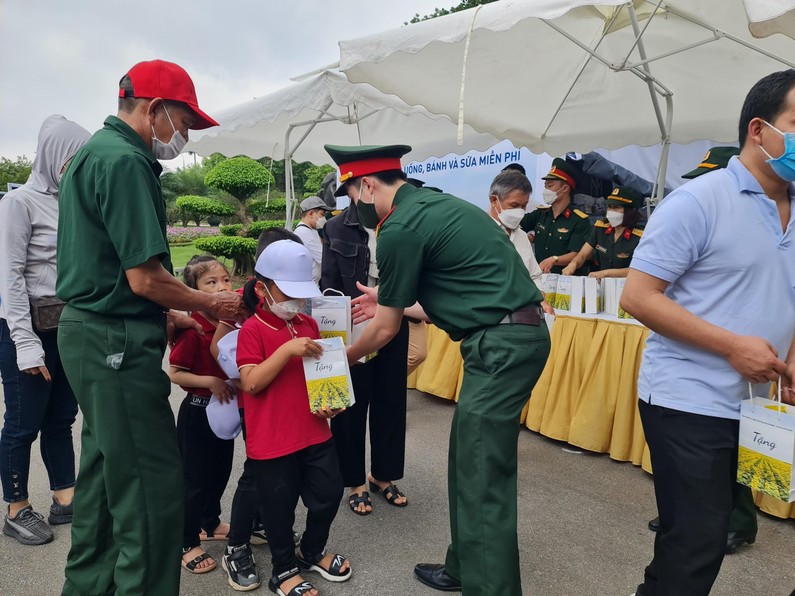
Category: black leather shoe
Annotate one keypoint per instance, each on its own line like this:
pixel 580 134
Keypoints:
pixel 434 576
pixel 654 524
pixel 737 539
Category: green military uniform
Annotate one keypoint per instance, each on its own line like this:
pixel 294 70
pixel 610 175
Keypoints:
pixel 127 532
pixel 557 236
pixel 743 523
pixel 449 256
pixel 610 252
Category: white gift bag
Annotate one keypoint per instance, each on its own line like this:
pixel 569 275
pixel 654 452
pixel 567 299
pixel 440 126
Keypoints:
pixel 333 316
pixel 593 298
pixel 767 446
pixel 563 294
pixel 328 378
pixel 577 302
pixel 549 284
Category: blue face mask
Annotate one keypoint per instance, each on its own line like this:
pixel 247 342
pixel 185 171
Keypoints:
pixel 783 165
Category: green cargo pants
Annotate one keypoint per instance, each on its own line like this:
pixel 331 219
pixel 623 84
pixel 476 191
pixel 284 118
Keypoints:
pixel 127 524
pixel 501 366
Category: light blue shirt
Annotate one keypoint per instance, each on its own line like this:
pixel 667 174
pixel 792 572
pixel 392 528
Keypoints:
pixel 718 241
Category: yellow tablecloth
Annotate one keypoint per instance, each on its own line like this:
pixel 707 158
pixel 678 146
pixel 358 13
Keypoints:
pixel 586 395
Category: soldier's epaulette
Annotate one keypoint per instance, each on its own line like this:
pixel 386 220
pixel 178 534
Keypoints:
pixel 580 213
pixel 602 224
pixel 637 232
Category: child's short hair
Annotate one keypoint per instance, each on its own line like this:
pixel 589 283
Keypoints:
pixel 198 266
pixel 271 235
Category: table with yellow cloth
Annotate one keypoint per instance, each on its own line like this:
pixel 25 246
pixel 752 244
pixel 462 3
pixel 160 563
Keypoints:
pixel 587 394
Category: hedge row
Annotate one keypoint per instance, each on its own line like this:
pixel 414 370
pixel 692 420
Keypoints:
pixel 254 230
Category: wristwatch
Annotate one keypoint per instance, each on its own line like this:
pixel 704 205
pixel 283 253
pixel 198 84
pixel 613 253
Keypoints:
pixel 555 258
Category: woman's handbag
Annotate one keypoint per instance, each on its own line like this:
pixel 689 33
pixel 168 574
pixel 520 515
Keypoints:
pixel 45 313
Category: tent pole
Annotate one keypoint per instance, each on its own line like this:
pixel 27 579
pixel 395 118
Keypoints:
pixel 665 125
pixel 590 55
pixel 288 181
pixel 642 51
pixel 289 185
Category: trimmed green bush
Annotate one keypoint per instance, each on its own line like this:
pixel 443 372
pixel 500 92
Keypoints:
pixel 197 208
pixel 231 230
pixel 256 227
pixel 259 208
pixel 241 177
pixel 231 247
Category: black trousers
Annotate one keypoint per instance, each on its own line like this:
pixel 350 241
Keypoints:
pixel 207 464
pixel 380 388
pixel 694 459
pixel 245 515
pixel 312 474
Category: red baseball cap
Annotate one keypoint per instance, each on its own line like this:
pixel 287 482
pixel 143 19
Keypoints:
pixel 158 78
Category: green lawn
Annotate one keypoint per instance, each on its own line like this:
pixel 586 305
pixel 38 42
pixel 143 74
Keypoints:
pixel 180 255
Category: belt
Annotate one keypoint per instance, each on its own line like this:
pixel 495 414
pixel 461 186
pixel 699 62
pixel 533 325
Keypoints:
pixel 198 400
pixel 527 315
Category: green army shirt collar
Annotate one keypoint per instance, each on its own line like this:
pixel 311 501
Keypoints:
pixel 402 193
pixel 126 131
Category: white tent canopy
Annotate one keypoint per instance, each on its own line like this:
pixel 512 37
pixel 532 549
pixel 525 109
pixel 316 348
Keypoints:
pixel 283 124
pixel 350 114
pixel 568 75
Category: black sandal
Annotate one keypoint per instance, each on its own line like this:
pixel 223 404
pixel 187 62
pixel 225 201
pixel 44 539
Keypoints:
pixel 391 494
pixel 194 563
pixel 275 582
pixel 356 499
pixel 333 574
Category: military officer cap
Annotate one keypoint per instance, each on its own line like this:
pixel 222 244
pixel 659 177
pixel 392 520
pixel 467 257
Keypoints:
pixel 562 170
pixel 715 159
pixel 361 160
pixel 624 196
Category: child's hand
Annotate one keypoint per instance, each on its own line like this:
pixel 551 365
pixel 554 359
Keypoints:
pixel 221 390
pixel 327 412
pixel 303 346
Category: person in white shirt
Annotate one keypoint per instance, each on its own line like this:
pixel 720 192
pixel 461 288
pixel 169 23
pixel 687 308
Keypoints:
pixel 509 195
pixel 313 218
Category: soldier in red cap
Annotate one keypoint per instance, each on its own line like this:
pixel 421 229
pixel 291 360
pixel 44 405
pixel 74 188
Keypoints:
pixel 114 273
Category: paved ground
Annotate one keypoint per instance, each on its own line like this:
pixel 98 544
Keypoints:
pixel 582 528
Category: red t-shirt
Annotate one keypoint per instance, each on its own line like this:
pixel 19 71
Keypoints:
pixel 191 352
pixel 278 419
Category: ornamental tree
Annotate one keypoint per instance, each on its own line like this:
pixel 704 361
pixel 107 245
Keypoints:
pixel 241 177
pixel 197 208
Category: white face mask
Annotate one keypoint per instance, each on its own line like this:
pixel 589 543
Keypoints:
pixel 510 218
pixel 171 149
pixel 321 221
pixel 614 218
pixel 549 196
pixel 285 310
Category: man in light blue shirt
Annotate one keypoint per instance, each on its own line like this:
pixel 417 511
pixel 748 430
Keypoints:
pixel 714 279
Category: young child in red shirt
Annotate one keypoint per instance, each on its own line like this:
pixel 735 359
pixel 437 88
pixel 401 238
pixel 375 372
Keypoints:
pixel 290 449
pixel 207 460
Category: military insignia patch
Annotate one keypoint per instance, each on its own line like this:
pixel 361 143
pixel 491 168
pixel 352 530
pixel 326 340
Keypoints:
pixel 622 255
pixel 563 230
pixel 601 248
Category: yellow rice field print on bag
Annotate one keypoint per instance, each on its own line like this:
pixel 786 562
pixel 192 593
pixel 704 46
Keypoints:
pixel 331 393
pixel 328 378
pixel 764 474
pixel 328 334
